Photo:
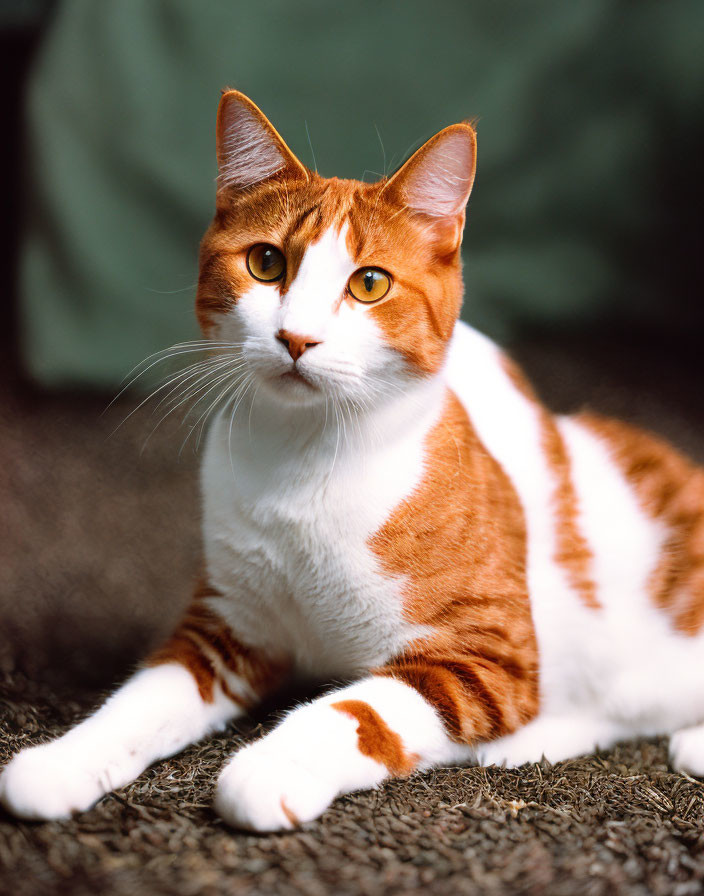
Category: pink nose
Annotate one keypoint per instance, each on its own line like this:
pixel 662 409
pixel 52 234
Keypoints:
pixel 295 343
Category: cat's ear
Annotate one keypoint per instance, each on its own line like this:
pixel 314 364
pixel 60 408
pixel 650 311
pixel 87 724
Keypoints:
pixel 437 179
pixel 249 148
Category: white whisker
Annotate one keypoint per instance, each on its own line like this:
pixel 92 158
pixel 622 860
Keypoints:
pixel 190 373
pixel 249 418
pixel 236 403
pixel 184 395
pixel 219 380
pixel 183 348
pixel 222 371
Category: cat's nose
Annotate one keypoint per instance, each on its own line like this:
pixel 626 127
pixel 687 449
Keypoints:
pixel 295 343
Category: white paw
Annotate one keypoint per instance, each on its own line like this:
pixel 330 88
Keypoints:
pixel 554 738
pixel 514 750
pixel 687 751
pixel 262 789
pixel 504 754
pixel 41 783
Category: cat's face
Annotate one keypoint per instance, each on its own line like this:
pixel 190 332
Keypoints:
pixel 332 288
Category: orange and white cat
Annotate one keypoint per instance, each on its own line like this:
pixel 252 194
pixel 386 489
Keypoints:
pixel 395 509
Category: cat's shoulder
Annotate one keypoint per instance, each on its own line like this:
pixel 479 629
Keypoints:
pixel 492 388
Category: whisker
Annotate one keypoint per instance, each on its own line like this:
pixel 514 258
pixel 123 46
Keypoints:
pixel 185 395
pixel 203 417
pixel 219 380
pixel 230 365
pixel 221 397
pixel 236 403
pixel 251 408
pixel 378 133
pixel 170 292
pixel 143 402
pixel 191 373
pixel 337 442
pixel 181 348
pixel 312 151
pixel 173 351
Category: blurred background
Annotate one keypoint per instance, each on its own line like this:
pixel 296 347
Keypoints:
pixel 583 251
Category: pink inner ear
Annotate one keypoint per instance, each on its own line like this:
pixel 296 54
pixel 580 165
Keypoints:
pixel 439 182
pixel 248 152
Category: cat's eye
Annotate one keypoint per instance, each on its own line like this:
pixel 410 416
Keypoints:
pixel 266 263
pixel 369 284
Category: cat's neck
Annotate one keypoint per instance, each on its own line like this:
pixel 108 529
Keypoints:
pixel 310 440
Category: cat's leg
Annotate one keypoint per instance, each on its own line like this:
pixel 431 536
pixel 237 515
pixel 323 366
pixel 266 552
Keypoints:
pixel 687 750
pixel 431 706
pixel 554 738
pixel 192 686
pixel 154 714
pixel 351 739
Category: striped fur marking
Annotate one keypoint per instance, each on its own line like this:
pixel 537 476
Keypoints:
pixel 206 646
pixel 670 488
pixel 572 551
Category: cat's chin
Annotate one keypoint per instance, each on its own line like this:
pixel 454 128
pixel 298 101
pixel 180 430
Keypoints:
pixel 291 387
pixel 294 377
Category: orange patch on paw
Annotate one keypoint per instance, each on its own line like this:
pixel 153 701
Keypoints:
pixel 376 739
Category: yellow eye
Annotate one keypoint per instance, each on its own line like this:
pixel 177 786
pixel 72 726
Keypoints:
pixel 266 263
pixel 369 284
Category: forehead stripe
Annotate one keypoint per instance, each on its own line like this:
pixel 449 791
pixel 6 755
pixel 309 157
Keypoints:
pixel 306 214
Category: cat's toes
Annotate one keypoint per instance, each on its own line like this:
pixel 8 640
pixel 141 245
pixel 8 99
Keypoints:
pixel 40 785
pixel 262 790
pixel 687 751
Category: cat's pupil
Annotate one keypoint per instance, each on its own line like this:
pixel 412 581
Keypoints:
pixel 268 259
pixel 369 280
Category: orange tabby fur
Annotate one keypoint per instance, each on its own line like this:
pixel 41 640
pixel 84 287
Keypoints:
pixel 671 489
pixel 207 647
pixel 572 549
pixel 460 542
pixel 464 575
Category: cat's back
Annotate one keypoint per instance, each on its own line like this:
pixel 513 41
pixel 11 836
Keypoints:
pixel 615 544
pixel 643 507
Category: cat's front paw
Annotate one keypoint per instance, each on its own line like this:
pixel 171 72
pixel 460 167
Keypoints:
pixel 41 784
pixel 262 789
pixel 687 751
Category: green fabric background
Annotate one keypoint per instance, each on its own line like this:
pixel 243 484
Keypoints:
pixel 588 112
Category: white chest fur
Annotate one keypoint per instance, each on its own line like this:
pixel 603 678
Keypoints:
pixel 287 522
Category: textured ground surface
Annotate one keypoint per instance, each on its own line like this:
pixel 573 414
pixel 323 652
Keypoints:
pixel 99 546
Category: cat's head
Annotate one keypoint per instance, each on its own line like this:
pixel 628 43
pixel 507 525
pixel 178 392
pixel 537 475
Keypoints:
pixel 332 288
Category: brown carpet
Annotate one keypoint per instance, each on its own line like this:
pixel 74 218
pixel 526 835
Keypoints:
pixel 99 547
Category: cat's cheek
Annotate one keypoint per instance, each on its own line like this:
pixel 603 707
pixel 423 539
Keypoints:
pixel 263 790
pixel 254 315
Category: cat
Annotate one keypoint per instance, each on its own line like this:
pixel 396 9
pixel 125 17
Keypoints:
pixel 395 510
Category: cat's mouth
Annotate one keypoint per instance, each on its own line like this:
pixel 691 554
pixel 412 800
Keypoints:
pixel 295 376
